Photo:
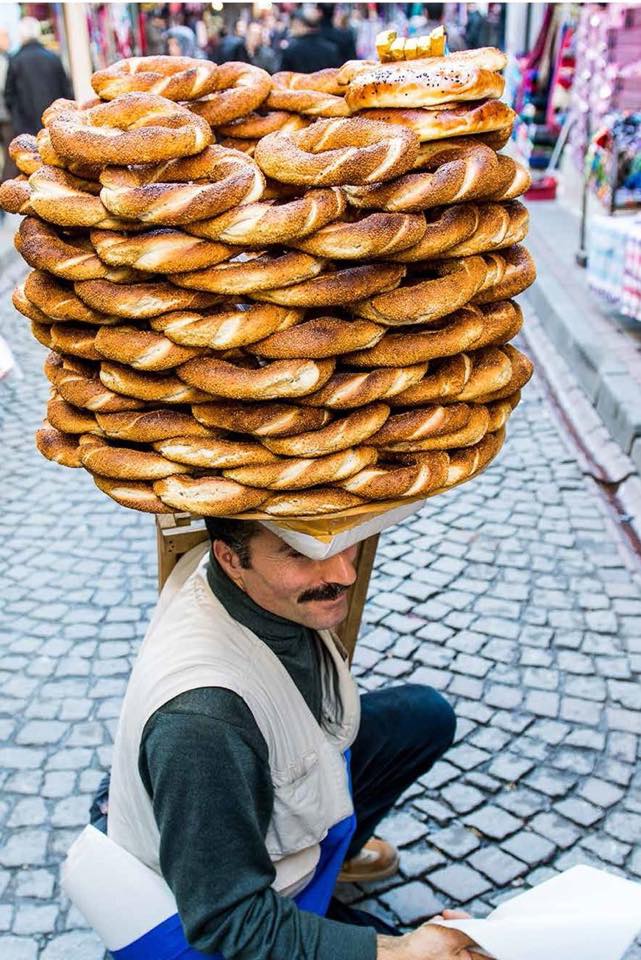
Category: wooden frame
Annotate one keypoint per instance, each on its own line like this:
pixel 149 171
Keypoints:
pixel 177 533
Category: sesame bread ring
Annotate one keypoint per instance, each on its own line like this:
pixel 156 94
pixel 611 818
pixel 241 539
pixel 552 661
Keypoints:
pixel 349 431
pixel 227 327
pixel 318 338
pixel 346 390
pixel 375 236
pixel 450 120
pixel 23 150
pixel 252 274
pixel 208 496
pixel 310 503
pixel 235 143
pixel 429 83
pixel 465 376
pixel 336 152
pixel 500 225
pixel 158 251
pixel 75 340
pixel 257 125
pixel 183 190
pixel 389 481
pixel 72 258
pixel 175 78
pixel 314 94
pixel 68 419
pixel 215 453
pixel 125 463
pixel 42 333
pixel 15 196
pixel 299 473
pixel 427 300
pixel 500 412
pixel 337 287
pixel 517 179
pixel 28 309
pixel 467 171
pixel 519 274
pixel 522 370
pixel 84 171
pixel 59 302
pixel 154 387
pixel 324 81
pixel 148 426
pixel 62 198
pixel 445 229
pixel 282 378
pixel 240 89
pixel 260 419
pixel 468 461
pixel 77 382
pixel 421 423
pixel 257 224
pixel 139 300
pixel 134 494
pixel 494 139
pixel 141 349
pixel 133 128
pixel 473 431
pixel 59 447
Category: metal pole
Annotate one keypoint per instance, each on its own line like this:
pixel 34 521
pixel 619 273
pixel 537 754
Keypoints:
pixel 582 253
pixel 77 34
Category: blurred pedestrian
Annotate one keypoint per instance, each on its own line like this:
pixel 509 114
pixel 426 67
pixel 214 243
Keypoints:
pixel 35 79
pixel 232 45
pixel 9 168
pixel 341 37
pixel 476 29
pixel 181 42
pixel 435 18
pixel 307 50
pixel 258 52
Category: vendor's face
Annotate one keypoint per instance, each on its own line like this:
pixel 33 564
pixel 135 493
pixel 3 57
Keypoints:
pixel 283 581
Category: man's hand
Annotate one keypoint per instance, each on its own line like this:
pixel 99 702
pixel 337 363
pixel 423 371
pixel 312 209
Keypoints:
pixel 430 942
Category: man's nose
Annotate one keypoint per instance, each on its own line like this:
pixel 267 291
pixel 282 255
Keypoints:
pixel 339 569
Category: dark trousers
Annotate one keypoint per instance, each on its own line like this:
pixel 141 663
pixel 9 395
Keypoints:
pixel 404 730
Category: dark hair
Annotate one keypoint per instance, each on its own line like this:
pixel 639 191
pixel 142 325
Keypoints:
pixel 235 533
pixel 435 11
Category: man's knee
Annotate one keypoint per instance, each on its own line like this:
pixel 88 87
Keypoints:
pixel 434 719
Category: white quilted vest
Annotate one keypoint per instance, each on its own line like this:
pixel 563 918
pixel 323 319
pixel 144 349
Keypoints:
pixel 192 642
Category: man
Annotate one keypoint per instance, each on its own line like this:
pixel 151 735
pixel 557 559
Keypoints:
pixel 9 168
pixel 259 53
pixel 306 50
pixel 231 764
pixel 232 45
pixel 341 37
pixel 35 79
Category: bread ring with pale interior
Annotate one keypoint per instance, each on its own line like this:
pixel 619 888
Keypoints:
pixel 465 376
pixel 257 125
pixel 318 338
pixel 208 496
pixel 216 452
pixel 324 81
pixel 240 89
pixel 427 83
pixel 473 430
pixel 72 258
pixel 175 78
pixel 59 447
pixel 260 419
pixel 522 370
pixel 64 199
pixel 516 179
pixel 422 422
pixel 445 229
pixel 226 327
pixel 299 473
pixel 519 272
pixel 183 190
pixel 139 300
pixel 75 340
pixel 135 494
pixel 124 463
pixel 77 382
pixel 346 390
pixel 133 128
pixel 372 237
pixel 257 224
pixel 387 481
pixel 253 273
pixel 235 143
pixel 59 302
pixel 142 349
pixel 310 503
pixel 127 382
pixel 15 196
pixel 68 419
pixel 427 300
pixel 158 251
pixel 28 309
pixel 337 287
pixel 336 152
pixel 500 225
pixel 468 461
pixel 84 171
pixel 23 150
pixel 282 378
pixel 42 333
pixel 449 120
pixel 148 426
pixel 349 431
pixel 500 411
pixel 314 94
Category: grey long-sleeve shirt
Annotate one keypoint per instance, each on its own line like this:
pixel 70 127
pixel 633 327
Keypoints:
pixel 205 766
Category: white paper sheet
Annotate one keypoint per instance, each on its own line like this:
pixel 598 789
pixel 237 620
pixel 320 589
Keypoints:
pixel 583 914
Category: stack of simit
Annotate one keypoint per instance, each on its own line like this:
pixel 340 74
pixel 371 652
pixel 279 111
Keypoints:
pixel 328 338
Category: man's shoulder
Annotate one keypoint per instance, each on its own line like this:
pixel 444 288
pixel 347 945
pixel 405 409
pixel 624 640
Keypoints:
pixel 218 704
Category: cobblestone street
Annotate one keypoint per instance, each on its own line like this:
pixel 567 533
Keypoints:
pixel 513 595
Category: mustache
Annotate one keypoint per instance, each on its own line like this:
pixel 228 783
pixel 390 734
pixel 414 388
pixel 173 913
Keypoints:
pixel 329 591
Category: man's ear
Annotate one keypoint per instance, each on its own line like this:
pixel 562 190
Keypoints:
pixel 229 561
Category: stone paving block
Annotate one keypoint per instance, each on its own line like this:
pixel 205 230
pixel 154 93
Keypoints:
pixel 459 882
pixel 456 842
pixel 412 903
pixel 556 829
pixel 419 860
pixel 607 849
pixel 510 767
pixel 77 945
pixel 499 867
pixel 402 828
pixel 624 826
pixel 492 822
pixel 19 948
pixel 462 798
pixel 529 847
pixel 580 811
pixel 466 757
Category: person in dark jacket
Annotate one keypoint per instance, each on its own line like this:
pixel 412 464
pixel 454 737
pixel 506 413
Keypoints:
pixel 341 37
pixel 307 50
pixel 35 78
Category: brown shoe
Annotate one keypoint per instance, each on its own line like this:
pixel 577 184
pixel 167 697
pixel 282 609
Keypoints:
pixel 377 860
